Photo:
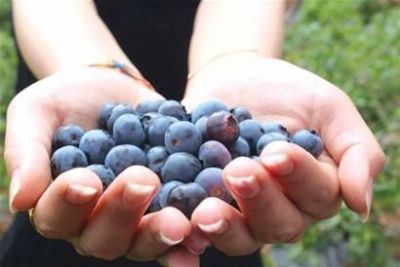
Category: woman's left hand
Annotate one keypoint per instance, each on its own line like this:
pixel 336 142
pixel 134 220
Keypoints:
pixel 280 196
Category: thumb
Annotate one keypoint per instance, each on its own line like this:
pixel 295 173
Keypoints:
pixel 26 153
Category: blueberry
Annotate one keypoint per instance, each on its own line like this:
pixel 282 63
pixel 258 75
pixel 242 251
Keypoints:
pixel 240 148
pixel 165 191
pixel 180 166
pixel 214 154
pixel 148 118
pixel 223 127
pixel 274 127
pixel 122 156
pixel 96 144
pixel 128 130
pixel 160 200
pixel 105 174
pixel 66 158
pixel 207 108
pixel 270 137
pixel 251 131
pixel 67 135
pixel 186 197
pixel 211 180
pixel 104 115
pixel 241 113
pixel 157 129
pixel 156 156
pixel 309 140
pixel 201 125
pixel 182 136
pixel 174 109
pixel 117 111
pixel 149 106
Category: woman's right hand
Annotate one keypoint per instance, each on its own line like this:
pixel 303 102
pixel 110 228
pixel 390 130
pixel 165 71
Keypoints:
pixel 74 207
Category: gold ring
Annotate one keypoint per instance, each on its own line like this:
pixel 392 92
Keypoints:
pixel 30 214
pixel 31 219
pixel 76 243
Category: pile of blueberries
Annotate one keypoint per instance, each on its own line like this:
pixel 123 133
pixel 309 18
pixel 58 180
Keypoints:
pixel 186 150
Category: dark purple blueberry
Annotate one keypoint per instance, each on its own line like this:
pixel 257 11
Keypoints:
pixel 104 115
pixel 116 112
pixel 174 109
pixel 67 135
pixel 201 125
pixel 66 158
pixel 211 180
pixel 96 144
pixel 156 156
pixel 165 191
pixel 241 113
pixel 207 108
pixel 147 118
pixel 223 127
pixel 160 200
pixel 149 106
pixel 214 154
pixel 251 131
pixel 180 166
pixel 182 136
pixel 123 156
pixel 309 140
pixel 157 129
pixel 270 137
pixel 128 130
pixel 274 127
pixel 186 197
pixel 105 174
pixel 240 148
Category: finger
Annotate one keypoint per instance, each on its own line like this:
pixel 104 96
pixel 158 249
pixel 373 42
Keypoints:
pixel 225 227
pixel 157 232
pixel 311 185
pixel 197 242
pixel 27 144
pixel 64 207
pixel 354 147
pixel 179 257
pixel 110 228
pixel 269 213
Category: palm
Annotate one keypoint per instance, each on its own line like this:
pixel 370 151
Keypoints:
pixel 273 90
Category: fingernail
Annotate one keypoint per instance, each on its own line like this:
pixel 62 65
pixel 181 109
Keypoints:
pixel 215 228
pixel 196 244
pixel 14 188
pixel 279 164
pixel 246 187
pixel 80 194
pixel 168 241
pixel 135 195
pixel 368 201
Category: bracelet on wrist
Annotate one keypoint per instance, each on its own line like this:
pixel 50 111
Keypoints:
pixel 125 69
pixel 221 55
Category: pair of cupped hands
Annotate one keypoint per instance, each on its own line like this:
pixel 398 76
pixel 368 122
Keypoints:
pixel 279 196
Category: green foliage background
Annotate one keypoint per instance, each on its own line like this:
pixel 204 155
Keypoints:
pixel 355 44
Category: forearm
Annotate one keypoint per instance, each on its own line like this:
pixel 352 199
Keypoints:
pixel 223 26
pixel 53 35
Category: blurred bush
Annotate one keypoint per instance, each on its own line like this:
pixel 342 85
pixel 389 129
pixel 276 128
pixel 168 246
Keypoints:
pixel 356 45
pixel 8 62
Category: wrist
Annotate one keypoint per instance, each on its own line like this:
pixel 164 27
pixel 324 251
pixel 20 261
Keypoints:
pixel 232 56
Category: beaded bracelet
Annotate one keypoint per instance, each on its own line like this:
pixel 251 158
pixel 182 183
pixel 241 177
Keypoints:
pixel 125 69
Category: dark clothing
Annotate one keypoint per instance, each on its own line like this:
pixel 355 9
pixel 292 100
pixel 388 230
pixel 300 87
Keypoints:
pixel 155 34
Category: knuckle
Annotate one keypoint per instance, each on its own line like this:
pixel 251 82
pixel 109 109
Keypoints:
pixel 288 234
